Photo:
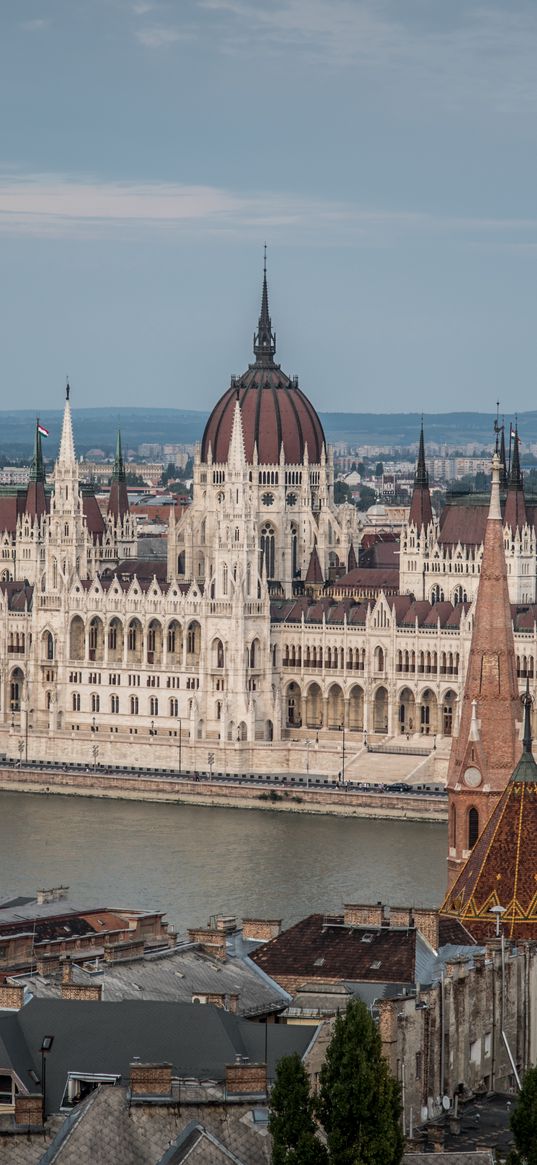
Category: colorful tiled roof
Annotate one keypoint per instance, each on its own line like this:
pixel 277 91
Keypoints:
pixel 502 867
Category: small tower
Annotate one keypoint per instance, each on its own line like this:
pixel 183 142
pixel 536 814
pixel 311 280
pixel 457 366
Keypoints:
pixel 120 539
pixel 421 510
pixel 501 871
pixel 483 754
pixel 68 547
pixel 417 534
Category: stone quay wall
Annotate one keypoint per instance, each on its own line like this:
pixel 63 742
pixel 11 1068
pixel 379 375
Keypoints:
pixel 335 801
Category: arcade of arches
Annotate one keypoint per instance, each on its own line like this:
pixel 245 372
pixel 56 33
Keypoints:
pixel 319 706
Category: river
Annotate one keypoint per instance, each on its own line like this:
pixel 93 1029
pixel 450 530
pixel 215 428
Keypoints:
pixel 193 861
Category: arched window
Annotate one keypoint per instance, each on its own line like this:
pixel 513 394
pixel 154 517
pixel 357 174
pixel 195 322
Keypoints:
pixel 294 552
pixel 112 636
pixel 174 707
pixel 171 639
pixel 473 827
pixel 134 705
pixel 49 645
pixel 267 549
pixel 224 579
pixel 76 701
pixel 153 706
pixel 132 637
pixel 437 594
pixel 95 702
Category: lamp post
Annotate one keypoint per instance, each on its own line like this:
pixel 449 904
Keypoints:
pixel 180 743
pixel 342 729
pixel 308 742
pixel 20 747
pixel 46 1046
pixel 95 751
pixel 29 712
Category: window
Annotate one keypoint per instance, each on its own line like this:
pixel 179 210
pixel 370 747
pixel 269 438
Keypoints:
pixel 114 703
pixel 153 706
pixel 473 827
pixel 131 639
pixel 174 707
pixel 134 705
pixel 6 1089
pixel 267 547
pixel 95 702
pixel 76 701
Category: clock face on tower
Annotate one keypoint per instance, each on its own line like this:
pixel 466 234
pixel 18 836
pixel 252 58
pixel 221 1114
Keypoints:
pixel 472 778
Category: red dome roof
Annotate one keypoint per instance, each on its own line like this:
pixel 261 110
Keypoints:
pixel 274 410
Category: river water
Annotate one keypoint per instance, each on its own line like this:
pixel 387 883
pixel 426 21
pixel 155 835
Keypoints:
pixel 193 861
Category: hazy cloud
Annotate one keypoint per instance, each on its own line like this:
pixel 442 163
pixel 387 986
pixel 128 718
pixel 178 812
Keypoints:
pixel 57 205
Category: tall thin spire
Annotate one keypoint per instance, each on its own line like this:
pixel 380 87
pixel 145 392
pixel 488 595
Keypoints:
pixel 37 468
pixel 515 514
pixel 484 749
pixel 421 476
pixel 118 502
pixel 515 476
pixel 66 455
pixel 527 703
pixel 264 338
pixel 421 510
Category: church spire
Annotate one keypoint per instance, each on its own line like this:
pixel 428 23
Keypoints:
pixel 118 502
pixel 421 510
pixel 515 503
pixel 264 338
pixel 66 455
pixel 481 762
pixel 37 468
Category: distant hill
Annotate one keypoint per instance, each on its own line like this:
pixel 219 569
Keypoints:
pixel 96 428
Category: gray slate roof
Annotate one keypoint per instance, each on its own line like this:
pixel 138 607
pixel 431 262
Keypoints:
pixel 173 976
pixel 105 1037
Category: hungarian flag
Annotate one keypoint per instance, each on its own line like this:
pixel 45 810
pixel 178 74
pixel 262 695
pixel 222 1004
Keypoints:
pixel 41 429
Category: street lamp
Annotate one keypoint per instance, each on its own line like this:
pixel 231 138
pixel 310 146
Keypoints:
pixel 180 742
pixel 46 1046
pixel 95 751
pixel 497 911
pixel 342 729
pixel 20 747
pixel 93 724
pixel 29 712
pixel 308 742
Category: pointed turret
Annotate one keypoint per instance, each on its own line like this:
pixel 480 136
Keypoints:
pixel 264 338
pixel 314 574
pixel 503 466
pixel 66 454
pixel 483 754
pixel 501 871
pixel 236 456
pixel 515 503
pixel 351 560
pixel 421 511
pixel 35 502
pixel 118 502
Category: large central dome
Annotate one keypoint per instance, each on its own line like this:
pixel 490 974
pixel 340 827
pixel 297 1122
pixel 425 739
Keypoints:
pixel 274 410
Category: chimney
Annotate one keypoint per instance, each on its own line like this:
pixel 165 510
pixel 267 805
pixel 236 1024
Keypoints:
pixel 150 1079
pixel 67 970
pixel 29 1109
pixel 89 992
pixel 11 997
pixel 245 1079
pixel 261 929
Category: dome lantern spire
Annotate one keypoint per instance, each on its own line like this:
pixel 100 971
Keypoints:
pixel 264 338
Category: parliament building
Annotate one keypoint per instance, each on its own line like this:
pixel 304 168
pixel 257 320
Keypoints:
pixel 262 626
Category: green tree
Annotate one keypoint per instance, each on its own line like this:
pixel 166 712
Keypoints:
pixel 342 492
pixel 291 1121
pixel 359 1100
pixel 524 1120
pixel 368 497
pixel 379 469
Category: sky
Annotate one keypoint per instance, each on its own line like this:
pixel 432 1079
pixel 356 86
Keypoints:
pixel 385 150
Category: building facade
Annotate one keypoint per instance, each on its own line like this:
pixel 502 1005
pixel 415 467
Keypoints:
pixel 251 629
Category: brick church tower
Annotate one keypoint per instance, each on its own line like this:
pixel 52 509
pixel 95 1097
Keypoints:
pixel 484 753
